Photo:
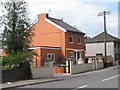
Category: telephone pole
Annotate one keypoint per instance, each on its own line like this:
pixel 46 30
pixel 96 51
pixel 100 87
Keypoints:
pixel 105 32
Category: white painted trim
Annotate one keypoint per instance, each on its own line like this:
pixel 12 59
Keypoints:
pixel 76 50
pixel 51 54
pixel 34 47
pixel 71 43
pixel 73 54
pixel 71 35
pixel 55 25
pixel 44 48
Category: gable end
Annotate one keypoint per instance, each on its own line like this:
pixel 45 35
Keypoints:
pixel 55 25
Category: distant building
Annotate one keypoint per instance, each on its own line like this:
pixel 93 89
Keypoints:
pixel 95 46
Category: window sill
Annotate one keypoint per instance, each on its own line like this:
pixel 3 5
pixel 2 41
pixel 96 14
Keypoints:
pixel 71 42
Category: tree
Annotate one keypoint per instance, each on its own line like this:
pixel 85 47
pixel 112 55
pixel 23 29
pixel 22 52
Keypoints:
pixel 16 35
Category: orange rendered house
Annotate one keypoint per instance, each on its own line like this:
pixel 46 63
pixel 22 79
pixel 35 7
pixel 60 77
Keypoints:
pixel 54 38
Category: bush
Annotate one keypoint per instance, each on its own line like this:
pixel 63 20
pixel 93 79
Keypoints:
pixel 14 60
pixel 62 60
pixel 18 62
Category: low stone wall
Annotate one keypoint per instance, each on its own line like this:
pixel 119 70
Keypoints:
pixel 80 68
pixel 99 65
pixel 41 72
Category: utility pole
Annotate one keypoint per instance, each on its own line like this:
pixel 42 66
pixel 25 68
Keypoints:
pixel 105 32
pixel 49 11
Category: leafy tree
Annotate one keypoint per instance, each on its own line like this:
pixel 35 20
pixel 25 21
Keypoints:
pixel 12 61
pixel 16 35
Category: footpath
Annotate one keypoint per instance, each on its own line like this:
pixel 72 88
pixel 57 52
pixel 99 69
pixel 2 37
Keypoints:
pixel 57 77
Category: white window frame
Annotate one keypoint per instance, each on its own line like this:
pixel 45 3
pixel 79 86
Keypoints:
pixel 71 54
pixel 79 37
pixel 71 36
pixel 51 56
pixel 80 54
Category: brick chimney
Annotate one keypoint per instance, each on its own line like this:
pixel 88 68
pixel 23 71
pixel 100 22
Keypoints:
pixel 42 16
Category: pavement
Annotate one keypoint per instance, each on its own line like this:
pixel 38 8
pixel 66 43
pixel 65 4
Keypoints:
pixel 57 77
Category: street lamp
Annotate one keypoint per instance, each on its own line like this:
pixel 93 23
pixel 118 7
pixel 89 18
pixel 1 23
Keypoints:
pixel 105 31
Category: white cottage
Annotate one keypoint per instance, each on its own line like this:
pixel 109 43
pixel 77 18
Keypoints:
pixel 95 46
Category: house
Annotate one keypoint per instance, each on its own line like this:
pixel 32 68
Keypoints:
pixel 54 38
pixel 95 46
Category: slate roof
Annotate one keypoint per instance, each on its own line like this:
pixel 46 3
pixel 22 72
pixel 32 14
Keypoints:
pixel 100 38
pixel 64 25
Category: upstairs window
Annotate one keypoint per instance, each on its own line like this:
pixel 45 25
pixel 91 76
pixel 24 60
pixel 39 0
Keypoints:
pixel 71 37
pixel 79 38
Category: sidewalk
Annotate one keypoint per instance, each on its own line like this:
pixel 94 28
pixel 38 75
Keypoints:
pixel 57 77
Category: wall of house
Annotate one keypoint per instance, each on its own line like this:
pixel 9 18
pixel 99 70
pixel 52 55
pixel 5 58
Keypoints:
pixel 44 53
pixel 37 58
pixel 68 54
pixel 75 44
pixel 46 34
pixel 117 51
pixel 94 48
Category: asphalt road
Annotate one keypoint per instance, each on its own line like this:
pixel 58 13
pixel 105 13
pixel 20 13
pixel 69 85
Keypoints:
pixel 107 78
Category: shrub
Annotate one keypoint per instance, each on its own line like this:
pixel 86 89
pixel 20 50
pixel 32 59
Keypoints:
pixel 14 60
pixel 62 60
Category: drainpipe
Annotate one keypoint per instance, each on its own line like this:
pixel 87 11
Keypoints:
pixel 76 58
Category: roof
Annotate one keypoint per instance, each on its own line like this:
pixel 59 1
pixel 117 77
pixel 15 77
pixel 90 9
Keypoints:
pixel 64 25
pixel 100 38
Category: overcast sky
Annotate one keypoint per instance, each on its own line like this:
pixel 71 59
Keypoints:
pixel 82 15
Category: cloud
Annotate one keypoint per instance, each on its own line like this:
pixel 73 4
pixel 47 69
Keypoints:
pixel 76 13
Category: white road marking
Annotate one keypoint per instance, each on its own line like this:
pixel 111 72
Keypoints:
pixel 83 86
pixel 9 83
pixel 110 78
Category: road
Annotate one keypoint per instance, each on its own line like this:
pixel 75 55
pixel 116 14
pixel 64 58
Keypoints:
pixel 106 78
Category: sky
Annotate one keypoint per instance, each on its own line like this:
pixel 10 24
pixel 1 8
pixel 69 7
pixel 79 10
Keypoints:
pixel 83 14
